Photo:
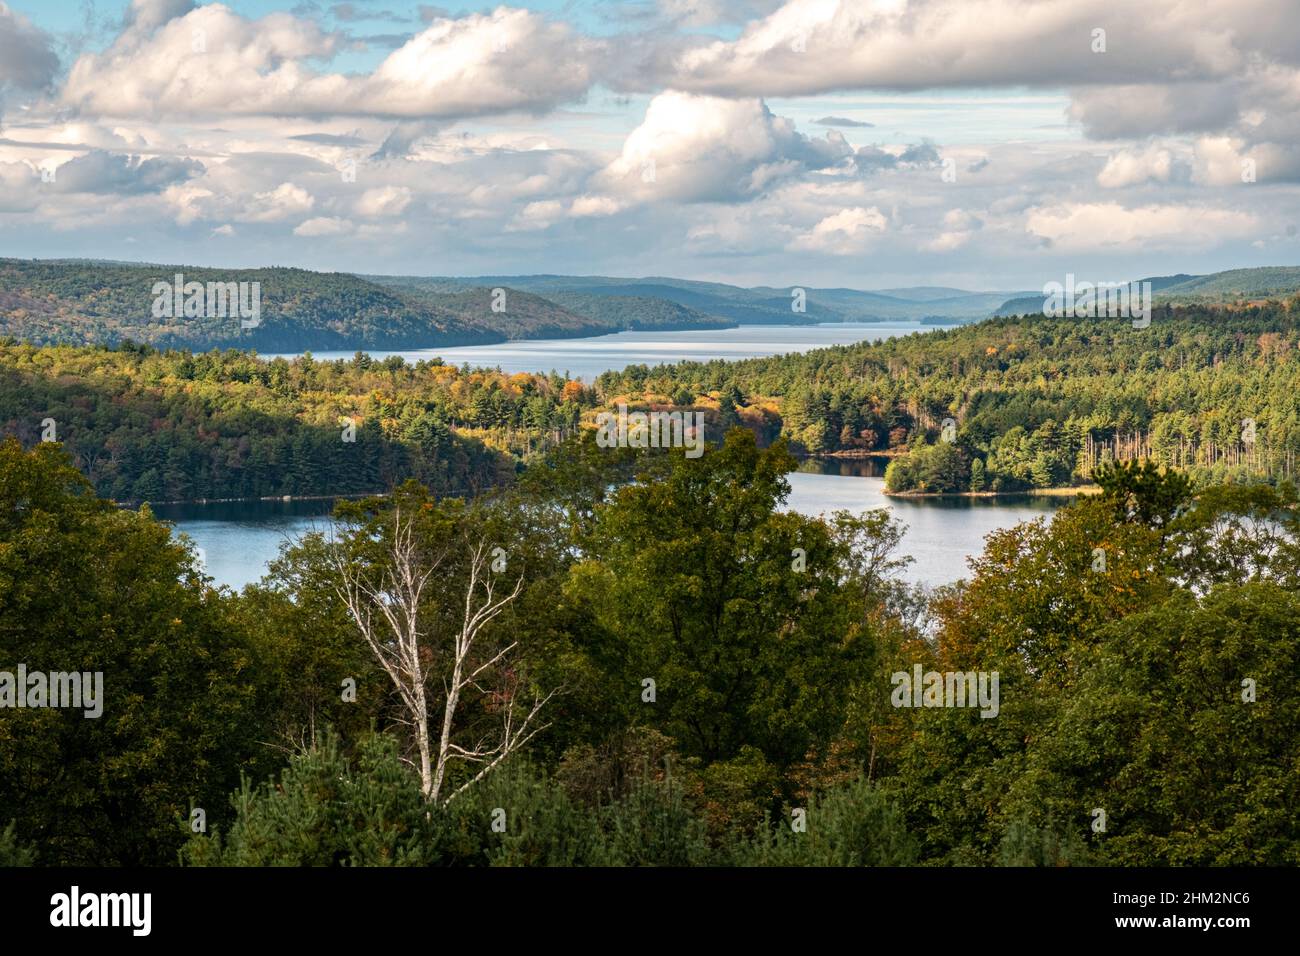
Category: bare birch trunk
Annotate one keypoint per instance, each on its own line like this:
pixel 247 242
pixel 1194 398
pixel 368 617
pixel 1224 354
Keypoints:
pixel 387 604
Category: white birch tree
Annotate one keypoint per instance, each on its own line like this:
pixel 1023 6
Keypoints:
pixel 389 604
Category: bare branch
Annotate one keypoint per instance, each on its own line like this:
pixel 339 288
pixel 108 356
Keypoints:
pixel 387 604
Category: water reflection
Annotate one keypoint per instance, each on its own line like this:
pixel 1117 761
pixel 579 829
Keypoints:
pixel 872 466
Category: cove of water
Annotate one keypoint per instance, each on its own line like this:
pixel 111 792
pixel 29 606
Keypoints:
pixel 240 539
pixel 941 532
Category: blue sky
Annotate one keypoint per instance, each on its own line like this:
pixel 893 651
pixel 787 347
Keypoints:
pixel 989 144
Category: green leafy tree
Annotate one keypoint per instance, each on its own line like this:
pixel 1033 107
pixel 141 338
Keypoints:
pixel 697 582
pixel 1144 493
pixel 1185 731
pixel 12 852
pixel 88 588
pixel 328 810
pixel 853 825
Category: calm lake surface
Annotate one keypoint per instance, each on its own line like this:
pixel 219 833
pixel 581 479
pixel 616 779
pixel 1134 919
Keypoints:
pixel 240 539
pixel 587 358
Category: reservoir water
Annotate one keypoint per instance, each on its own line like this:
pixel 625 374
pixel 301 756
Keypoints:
pixel 587 357
pixel 238 540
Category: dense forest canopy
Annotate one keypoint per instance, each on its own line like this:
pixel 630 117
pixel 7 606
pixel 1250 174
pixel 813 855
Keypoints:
pixel 1007 405
pixel 708 700
pixel 704 676
pixel 169 426
pixel 1030 401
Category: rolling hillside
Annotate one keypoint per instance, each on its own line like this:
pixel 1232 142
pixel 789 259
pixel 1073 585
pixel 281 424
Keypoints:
pixel 1219 288
pixel 763 305
pixel 82 303
pixel 550 312
pixel 1236 283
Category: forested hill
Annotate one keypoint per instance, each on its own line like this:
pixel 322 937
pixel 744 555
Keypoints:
pixel 78 303
pixel 81 302
pixel 761 305
pixel 564 312
pixel 1033 401
pixel 1234 286
pixel 144 425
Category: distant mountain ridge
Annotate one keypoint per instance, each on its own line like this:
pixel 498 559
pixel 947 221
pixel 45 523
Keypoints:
pixel 1217 288
pixel 82 303
pixel 760 305
pixel 97 302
